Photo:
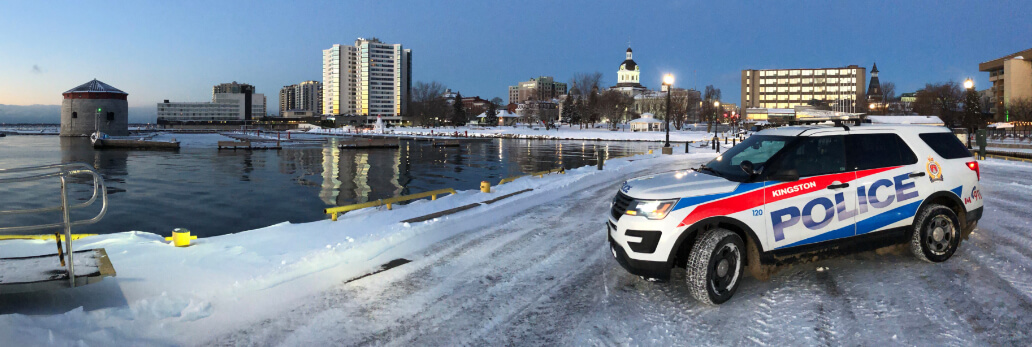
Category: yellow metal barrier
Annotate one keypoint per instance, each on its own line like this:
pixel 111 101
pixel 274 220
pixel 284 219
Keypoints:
pixel 335 211
pixel 542 173
pixel 42 237
pixel 1004 157
pixel 561 170
pixel 509 179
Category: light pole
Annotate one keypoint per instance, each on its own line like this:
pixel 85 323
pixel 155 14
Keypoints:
pixel 668 84
pixel 716 111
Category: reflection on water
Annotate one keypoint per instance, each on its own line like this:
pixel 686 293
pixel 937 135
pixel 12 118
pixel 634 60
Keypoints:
pixel 212 192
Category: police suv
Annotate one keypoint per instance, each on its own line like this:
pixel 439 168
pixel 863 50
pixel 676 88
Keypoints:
pixel 798 193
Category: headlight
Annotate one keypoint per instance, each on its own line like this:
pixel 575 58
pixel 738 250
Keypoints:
pixel 651 209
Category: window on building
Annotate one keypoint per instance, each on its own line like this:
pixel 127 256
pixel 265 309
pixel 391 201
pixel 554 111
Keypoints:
pixel 782 89
pixel 794 73
pixel 818 73
pixel 807 72
pixel 793 89
pixel 807 89
pixel 110 116
pixel 783 73
pixel 75 114
pixel 793 81
pixel 807 81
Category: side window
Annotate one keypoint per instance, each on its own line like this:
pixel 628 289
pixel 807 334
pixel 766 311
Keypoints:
pixel 110 116
pixel 872 151
pixel 814 156
pixel 75 114
pixel 946 145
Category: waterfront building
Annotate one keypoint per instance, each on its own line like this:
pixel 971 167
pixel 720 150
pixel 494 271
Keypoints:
pixel 246 91
pixel 229 103
pixel 628 76
pixel 304 96
pixel 1011 77
pixel 541 88
pixel 93 106
pixel 841 87
pixel 367 80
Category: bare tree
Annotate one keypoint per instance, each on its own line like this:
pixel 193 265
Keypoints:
pixel 428 103
pixel 888 91
pixel 940 99
pixel 587 82
pixel 1020 109
pixel 712 94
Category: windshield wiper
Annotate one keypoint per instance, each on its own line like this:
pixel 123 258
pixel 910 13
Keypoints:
pixel 706 168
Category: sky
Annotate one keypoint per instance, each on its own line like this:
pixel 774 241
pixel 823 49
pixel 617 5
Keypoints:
pixel 156 50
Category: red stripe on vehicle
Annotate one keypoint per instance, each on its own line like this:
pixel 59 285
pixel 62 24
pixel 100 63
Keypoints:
pixel 756 198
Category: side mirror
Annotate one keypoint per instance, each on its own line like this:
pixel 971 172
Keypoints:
pixel 747 166
pixel 786 175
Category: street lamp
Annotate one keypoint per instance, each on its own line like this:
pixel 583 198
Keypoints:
pixel 716 111
pixel 968 84
pixel 668 84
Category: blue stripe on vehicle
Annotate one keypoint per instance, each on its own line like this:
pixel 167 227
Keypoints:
pixel 845 231
pixel 702 199
pixel 880 220
pixel 864 226
pixel 959 190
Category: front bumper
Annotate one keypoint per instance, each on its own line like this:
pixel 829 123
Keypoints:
pixel 658 270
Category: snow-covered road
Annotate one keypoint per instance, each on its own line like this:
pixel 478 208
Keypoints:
pixel 545 277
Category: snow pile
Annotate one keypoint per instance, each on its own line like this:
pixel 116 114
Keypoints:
pixel 187 295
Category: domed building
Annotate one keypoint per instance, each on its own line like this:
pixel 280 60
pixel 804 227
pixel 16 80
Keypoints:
pixel 628 76
pixel 93 106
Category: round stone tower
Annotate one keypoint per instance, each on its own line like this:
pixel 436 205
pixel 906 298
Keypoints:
pixel 94 106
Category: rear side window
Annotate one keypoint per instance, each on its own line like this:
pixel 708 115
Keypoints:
pixel 872 151
pixel 817 155
pixel 946 145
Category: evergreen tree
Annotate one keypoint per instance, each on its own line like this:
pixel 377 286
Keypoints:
pixel 567 109
pixel 459 112
pixel 972 110
pixel 492 115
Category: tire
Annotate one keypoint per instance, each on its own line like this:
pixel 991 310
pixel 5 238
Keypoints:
pixel 715 266
pixel 936 234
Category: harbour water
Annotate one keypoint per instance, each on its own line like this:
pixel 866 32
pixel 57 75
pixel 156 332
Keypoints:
pixel 214 192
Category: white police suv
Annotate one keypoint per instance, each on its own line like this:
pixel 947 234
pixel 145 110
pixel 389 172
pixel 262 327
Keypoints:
pixel 798 193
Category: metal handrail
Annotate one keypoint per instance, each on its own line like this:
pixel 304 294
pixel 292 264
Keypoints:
pixel 62 171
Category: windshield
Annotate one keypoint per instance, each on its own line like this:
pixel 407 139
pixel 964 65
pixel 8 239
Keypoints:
pixel 757 149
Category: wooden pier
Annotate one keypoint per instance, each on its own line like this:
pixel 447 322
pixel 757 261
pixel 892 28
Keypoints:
pixel 370 143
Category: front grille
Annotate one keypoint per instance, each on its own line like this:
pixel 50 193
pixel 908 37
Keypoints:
pixel 620 203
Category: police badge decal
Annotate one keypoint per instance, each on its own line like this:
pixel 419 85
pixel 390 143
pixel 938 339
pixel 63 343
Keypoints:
pixel 934 170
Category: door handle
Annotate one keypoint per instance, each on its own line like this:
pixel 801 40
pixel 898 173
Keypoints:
pixel 916 174
pixel 837 186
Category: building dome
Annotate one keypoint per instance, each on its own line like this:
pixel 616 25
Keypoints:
pixel 627 74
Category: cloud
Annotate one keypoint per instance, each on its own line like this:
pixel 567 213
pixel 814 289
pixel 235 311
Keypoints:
pixel 36 69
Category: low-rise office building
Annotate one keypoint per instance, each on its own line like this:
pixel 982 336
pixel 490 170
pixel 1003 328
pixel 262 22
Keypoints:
pixel 223 107
pixel 541 88
pixel 787 88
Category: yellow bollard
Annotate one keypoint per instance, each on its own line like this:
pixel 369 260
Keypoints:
pixel 485 187
pixel 650 151
pixel 181 237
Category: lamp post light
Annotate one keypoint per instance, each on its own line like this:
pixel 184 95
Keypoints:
pixel 969 84
pixel 668 84
pixel 716 112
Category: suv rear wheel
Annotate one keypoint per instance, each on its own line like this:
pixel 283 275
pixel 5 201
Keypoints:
pixel 715 266
pixel 936 234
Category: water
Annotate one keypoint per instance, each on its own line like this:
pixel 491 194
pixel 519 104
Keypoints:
pixel 214 192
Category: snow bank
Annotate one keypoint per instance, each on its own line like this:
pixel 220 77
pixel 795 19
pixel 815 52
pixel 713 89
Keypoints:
pixel 168 295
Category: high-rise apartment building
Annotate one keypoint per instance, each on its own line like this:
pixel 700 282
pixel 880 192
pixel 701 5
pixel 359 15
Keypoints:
pixel 541 88
pixel 369 79
pixel 788 88
pixel 1011 76
pixel 304 96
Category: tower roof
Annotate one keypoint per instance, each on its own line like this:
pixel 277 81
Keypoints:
pixel 628 49
pixel 875 68
pixel 629 64
pixel 96 86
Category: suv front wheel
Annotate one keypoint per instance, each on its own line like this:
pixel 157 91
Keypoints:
pixel 715 266
pixel 936 234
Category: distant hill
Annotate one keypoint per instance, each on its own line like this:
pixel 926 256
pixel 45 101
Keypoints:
pixel 42 114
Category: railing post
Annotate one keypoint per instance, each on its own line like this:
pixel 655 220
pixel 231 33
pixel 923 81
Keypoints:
pixel 68 231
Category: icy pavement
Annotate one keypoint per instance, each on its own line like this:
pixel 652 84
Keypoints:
pixel 535 270
pixel 546 277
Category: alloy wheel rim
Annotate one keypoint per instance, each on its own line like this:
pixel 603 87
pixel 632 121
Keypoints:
pixel 725 270
pixel 940 234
